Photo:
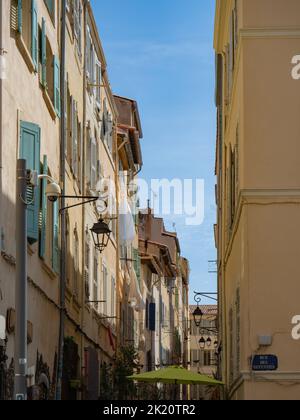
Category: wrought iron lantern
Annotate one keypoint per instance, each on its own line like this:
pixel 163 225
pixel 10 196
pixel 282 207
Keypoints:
pixel 202 343
pixel 198 314
pixel 101 235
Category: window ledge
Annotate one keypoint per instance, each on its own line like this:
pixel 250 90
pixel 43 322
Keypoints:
pixel 49 270
pixel 49 104
pixel 25 53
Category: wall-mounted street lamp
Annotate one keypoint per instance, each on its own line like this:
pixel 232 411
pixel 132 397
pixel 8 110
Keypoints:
pixel 101 234
pixel 100 231
pixel 198 314
pixel 202 343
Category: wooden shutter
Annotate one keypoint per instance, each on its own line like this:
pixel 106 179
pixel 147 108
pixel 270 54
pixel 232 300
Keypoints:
pixel 74 138
pixel 55 244
pixel 30 150
pixel 34 33
pixel 93 163
pixel 44 54
pixel 56 67
pixel 42 247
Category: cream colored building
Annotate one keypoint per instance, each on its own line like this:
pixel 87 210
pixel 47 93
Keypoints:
pixel 258 194
pixel 31 123
pixel 30 129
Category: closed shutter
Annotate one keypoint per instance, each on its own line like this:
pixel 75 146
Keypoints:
pixel 30 150
pixel 74 139
pixel 152 316
pixel 110 133
pixel 56 66
pixel 44 54
pixel 55 245
pixel 137 265
pixel 42 248
pixel 93 163
pixel 20 16
pixel 34 33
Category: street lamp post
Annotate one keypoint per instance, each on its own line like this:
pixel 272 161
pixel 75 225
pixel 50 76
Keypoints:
pixel 20 355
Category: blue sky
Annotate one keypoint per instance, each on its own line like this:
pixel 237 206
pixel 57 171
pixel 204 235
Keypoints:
pixel 160 53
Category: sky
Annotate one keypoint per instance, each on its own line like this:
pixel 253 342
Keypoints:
pixel 160 53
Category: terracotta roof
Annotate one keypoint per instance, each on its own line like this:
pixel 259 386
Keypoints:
pixel 206 309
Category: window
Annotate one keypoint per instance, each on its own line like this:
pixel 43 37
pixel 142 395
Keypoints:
pixel 49 226
pixel 30 150
pixel 87 268
pixel 104 289
pixel 98 83
pixel 76 263
pixel 75 140
pixel 207 358
pixel 78 25
pixel 113 299
pixel 96 281
pixel 28 27
pixel 137 264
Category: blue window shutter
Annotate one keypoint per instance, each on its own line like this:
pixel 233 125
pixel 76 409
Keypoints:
pixel 34 33
pixel 152 316
pixel 20 16
pixel 55 240
pixel 44 54
pixel 42 248
pixel 56 67
pixel 30 150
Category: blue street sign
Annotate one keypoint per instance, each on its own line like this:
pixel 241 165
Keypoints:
pixel 265 363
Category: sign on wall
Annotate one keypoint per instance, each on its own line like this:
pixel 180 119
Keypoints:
pixel 265 363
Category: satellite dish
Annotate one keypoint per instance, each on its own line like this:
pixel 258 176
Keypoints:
pixel 101 205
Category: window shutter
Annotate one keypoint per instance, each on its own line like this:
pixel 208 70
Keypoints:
pixel 110 134
pixel 98 82
pixel 34 33
pixel 20 16
pixel 42 248
pixel 137 264
pixel 74 139
pixel 152 316
pixel 44 54
pixel 30 150
pixel 55 245
pixel 93 163
pixel 56 66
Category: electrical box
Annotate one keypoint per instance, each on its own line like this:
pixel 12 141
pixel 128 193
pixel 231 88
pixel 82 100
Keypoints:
pixel 265 340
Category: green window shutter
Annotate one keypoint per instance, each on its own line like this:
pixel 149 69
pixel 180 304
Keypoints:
pixel 34 33
pixel 20 16
pixel 44 54
pixel 30 150
pixel 50 6
pixel 56 66
pixel 137 264
pixel 42 248
pixel 55 243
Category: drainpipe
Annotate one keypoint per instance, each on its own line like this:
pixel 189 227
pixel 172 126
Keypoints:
pixel 84 190
pixel 63 205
